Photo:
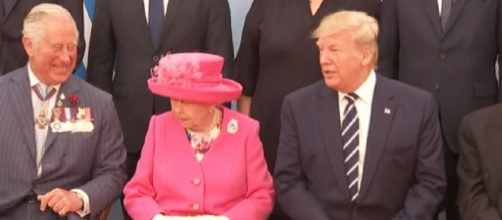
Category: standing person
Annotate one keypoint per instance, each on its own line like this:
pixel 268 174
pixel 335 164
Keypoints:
pixel 357 145
pixel 449 49
pixel 61 147
pixel 277 56
pixel 12 13
pixel 128 39
pixel 223 172
pixel 479 164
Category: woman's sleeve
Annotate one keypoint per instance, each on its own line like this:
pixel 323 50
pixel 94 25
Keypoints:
pixel 139 192
pixel 258 202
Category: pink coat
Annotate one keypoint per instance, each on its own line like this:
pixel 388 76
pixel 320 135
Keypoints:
pixel 231 180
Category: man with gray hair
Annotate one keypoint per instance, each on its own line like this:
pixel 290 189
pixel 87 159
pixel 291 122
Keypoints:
pixel 357 145
pixel 61 147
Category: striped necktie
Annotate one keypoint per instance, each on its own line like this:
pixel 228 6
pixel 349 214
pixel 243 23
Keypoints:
pixel 350 138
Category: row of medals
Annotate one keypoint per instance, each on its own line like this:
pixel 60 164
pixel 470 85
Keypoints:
pixel 66 119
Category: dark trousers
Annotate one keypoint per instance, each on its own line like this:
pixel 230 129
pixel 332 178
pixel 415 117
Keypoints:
pixel 450 198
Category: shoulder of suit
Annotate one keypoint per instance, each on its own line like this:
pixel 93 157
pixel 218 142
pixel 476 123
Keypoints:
pixel 239 117
pixel 307 91
pixel 490 114
pixel 399 88
pixel 87 87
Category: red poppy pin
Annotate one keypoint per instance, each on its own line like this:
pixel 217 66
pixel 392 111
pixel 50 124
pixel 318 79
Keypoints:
pixel 73 99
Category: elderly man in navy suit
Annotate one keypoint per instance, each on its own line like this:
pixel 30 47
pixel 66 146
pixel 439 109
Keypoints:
pixel 358 145
pixel 61 147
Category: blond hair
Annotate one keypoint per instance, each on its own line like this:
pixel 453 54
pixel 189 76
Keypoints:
pixel 33 24
pixel 363 28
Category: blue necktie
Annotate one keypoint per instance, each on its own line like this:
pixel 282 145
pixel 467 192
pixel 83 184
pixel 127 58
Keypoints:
pixel 446 6
pixel 155 20
pixel 350 139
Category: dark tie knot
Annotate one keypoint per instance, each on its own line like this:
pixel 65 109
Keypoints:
pixel 351 97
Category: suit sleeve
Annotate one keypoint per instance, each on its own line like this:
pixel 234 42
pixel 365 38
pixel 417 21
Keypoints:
pixel 258 202
pixel 290 183
pixel 388 40
pixel 76 9
pixel 101 48
pixel 473 199
pixel 108 175
pixel 499 49
pixel 139 192
pixel 247 61
pixel 424 197
pixel 219 34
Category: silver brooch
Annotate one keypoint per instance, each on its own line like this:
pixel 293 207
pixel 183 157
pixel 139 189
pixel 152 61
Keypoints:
pixel 232 126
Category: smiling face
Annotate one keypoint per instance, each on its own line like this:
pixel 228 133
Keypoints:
pixel 53 58
pixel 345 65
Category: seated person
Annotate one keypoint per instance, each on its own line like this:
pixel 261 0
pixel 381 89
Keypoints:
pixel 200 160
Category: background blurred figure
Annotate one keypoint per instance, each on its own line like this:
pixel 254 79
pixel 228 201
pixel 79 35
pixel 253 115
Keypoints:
pixel 200 160
pixel 130 36
pixel 480 139
pixel 12 13
pixel 61 147
pixel 277 55
pixel 356 145
pixel 449 48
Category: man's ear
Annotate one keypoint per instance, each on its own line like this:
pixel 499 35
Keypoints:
pixel 368 55
pixel 28 45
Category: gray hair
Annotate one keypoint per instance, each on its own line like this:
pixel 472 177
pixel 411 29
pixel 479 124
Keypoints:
pixel 363 27
pixel 33 25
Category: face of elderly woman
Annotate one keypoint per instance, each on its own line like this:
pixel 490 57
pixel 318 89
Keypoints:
pixel 194 116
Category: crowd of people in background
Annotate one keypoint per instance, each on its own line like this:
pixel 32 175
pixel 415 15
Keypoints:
pixel 362 109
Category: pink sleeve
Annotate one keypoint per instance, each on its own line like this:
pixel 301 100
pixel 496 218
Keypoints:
pixel 259 199
pixel 139 192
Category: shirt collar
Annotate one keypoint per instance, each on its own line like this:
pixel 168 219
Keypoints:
pixel 34 80
pixel 365 91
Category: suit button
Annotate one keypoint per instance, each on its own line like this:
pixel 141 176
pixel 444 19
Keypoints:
pixel 442 56
pixel 436 87
pixel 196 181
pixel 486 176
pixel 195 207
pixel 155 58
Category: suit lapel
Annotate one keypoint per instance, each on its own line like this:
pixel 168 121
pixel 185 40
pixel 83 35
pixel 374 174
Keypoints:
pixel 70 87
pixel 382 112
pixel 455 12
pixel 431 6
pixel 172 9
pixel 329 121
pixel 20 98
pixel 8 5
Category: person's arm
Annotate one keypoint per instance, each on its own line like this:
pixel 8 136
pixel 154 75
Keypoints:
pixel 219 34
pixel 499 49
pixel 424 197
pixel 474 203
pixel 139 192
pixel 101 48
pixel 290 184
pixel 388 40
pixel 247 61
pixel 258 201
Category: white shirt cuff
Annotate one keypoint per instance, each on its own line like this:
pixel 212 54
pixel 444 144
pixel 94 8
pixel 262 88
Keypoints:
pixel 87 208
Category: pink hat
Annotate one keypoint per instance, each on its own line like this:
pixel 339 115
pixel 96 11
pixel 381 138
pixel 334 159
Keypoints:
pixel 193 77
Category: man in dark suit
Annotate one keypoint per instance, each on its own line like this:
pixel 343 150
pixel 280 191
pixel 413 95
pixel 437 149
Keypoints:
pixel 357 145
pixel 129 37
pixel 448 48
pixel 12 13
pixel 61 147
pixel 479 165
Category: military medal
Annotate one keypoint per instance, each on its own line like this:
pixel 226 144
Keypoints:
pixel 41 120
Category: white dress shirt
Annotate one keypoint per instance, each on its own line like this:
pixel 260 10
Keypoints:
pixel 146 3
pixel 363 107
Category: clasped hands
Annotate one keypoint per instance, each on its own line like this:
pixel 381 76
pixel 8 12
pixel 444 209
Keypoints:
pixel 61 201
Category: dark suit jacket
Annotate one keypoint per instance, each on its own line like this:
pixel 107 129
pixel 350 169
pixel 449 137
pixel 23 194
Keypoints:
pixel 93 162
pixel 120 38
pixel 480 165
pixel 12 54
pixel 457 65
pixel 403 175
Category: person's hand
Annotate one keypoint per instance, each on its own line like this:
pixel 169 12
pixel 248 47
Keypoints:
pixel 61 201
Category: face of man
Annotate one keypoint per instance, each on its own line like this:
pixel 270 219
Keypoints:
pixel 344 65
pixel 53 58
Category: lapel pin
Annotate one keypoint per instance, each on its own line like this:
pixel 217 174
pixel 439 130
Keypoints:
pixel 386 111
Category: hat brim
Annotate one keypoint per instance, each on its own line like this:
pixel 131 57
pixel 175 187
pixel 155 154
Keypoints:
pixel 226 90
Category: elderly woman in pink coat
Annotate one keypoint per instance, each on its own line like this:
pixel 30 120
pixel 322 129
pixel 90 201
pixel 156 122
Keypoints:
pixel 200 160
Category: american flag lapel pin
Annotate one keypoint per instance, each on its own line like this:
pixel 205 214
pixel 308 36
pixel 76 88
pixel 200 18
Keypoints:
pixel 386 111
